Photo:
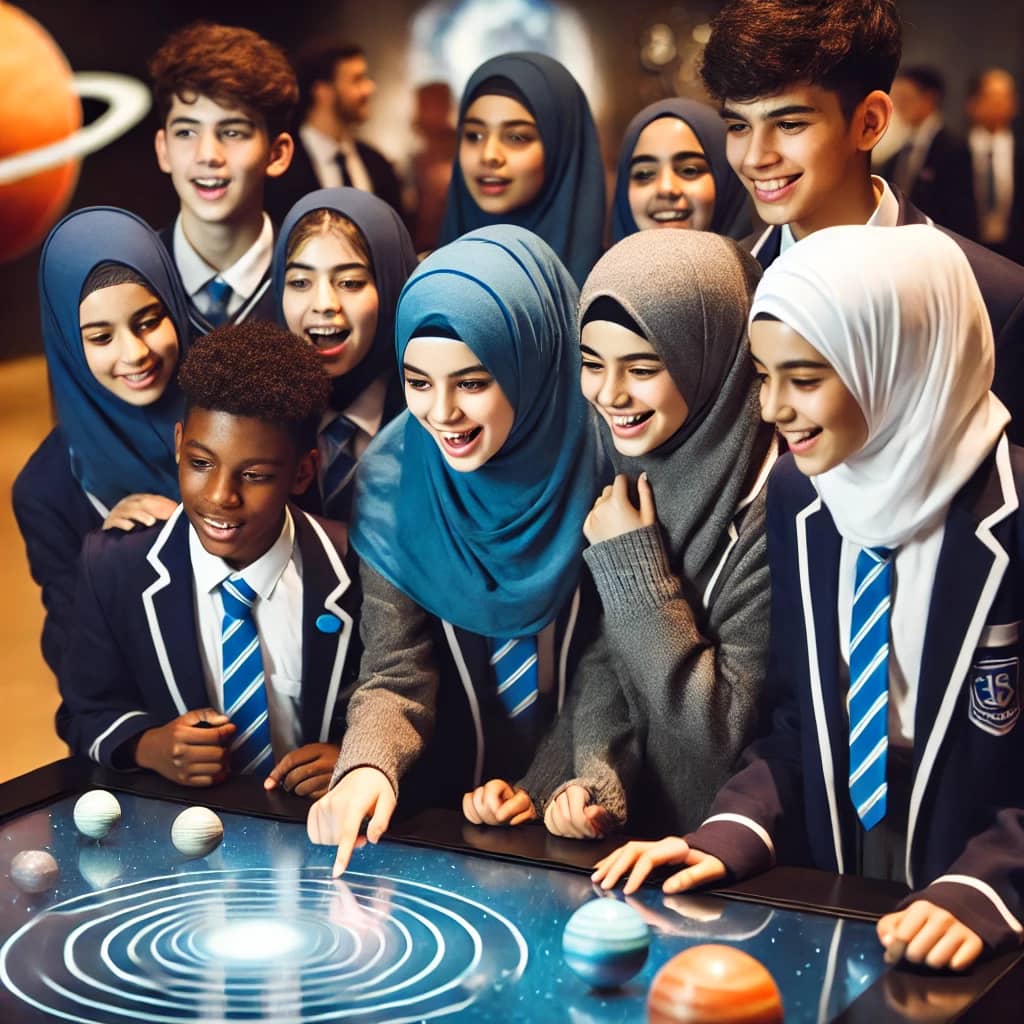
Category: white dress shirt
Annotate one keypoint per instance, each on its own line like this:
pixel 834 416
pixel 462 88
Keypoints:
pixel 323 152
pixel 886 215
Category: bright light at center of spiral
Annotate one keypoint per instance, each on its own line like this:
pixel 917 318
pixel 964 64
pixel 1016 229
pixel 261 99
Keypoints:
pixel 253 940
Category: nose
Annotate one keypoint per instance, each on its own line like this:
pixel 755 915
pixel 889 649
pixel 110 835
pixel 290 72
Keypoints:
pixel 612 393
pixel 220 490
pixel 209 149
pixel 492 153
pixel 773 407
pixel 758 151
pixel 443 407
pixel 132 350
pixel 325 296
pixel 668 181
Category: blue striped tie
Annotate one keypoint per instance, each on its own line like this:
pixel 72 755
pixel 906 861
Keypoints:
pixel 340 463
pixel 216 299
pixel 515 668
pixel 245 699
pixel 868 698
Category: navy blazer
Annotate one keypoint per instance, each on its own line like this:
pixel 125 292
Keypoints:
pixel 134 663
pixel 790 800
pixel 54 515
pixel 1002 287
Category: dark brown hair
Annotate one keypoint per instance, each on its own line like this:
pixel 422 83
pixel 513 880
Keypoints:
pixel 318 64
pixel 322 222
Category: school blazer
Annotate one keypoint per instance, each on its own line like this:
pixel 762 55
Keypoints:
pixel 1002 287
pixel 790 799
pixel 133 661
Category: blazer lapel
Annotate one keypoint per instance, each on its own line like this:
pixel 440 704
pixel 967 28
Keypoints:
pixel 766 249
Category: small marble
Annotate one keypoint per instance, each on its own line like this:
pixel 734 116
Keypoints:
pixel 197 832
pixel 96 813
pixel 34 871
pixel 605 943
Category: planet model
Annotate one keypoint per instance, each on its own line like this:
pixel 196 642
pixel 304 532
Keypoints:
pixel 197 832
pixel 713 984
pixel 96 813
pixel 605 943
pixel 34 871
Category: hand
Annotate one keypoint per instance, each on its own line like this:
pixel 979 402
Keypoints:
pixel 498 803
pixel 139 509
pixel 306 771
pixel 336 817
pixel 614 514
pixel 701 868
pixel 186 751
pixel 572 815
pixel 926 934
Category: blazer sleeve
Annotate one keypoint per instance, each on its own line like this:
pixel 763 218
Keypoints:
pixel 104 704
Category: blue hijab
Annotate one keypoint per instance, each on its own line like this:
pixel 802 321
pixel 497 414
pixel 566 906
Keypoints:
pixel 116 448
pixel 569 212
pixel 731 216
pixel 497 550
pixel 393 258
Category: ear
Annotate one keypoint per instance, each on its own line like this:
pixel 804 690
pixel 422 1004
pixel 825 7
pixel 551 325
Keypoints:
pixel 871 119
pixel 160 145
pixel 305 471
pixel 281 151
pixel 179 433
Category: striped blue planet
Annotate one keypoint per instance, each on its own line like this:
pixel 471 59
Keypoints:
pixel 605 943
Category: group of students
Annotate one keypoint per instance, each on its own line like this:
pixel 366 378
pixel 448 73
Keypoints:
pixel 512 529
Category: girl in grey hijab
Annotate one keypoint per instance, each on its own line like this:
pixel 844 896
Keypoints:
pixel 666 696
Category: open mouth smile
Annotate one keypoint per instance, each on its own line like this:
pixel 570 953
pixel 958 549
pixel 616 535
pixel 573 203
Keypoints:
pixel 211 188
pixel 630 425
pixel 461 444
pixel 771 190
pixel 328 340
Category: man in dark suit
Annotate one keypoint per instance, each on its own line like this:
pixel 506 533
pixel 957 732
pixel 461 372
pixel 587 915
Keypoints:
pixel 335 88
pixel 933 167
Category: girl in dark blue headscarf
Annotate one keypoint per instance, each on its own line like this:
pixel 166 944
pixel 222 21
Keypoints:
pixel 465 570
pixel 568 210
pixel 113 446
pixel 340 261
pixel 731 214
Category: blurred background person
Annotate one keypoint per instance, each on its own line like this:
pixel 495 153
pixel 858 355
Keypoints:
pixel 430 168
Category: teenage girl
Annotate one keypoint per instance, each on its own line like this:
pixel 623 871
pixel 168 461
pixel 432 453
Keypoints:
pixel 339 264
pixel 895 538
pixel 114 324
pixel 529 155
pixel 468 522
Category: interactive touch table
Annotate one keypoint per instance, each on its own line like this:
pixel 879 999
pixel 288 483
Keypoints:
pixel 443 919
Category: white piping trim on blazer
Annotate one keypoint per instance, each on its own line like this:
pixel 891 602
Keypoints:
pixel 741 819
pixel 474 704
pixel 963 662
pixel 345 635
pixel 156 634
pixel 563 657
pixel 759 244
pixel 820 724
pixel 989 893
pixel 94 750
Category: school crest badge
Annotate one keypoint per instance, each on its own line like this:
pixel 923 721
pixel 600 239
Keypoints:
pixel 995 694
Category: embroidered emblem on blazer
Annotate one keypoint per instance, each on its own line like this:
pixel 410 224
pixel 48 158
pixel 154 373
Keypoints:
pixel 995 694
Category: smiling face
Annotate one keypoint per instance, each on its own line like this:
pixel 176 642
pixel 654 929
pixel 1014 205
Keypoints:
pixel 458 402
pixel 130 343
pixel 331 300
pixel 235 475
pixel 670 182
pixel 218 158
pixel 805 398
pixel 625 380
pixel 501 154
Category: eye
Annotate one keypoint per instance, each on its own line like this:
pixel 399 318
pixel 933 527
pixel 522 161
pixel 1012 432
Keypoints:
pixel 199 464
pixel 691 172
pixel 100 338
pixel 473 385
pixel 644 372
pixel 253 476
pixel 417 383
pixel 472 135
pixel 791 126
pixel 352 284
pixel 519 138
pixel 642 175
pixel 183 133
pixel 736 127
pixel 150 322
pixel 805 383
pixel 592 365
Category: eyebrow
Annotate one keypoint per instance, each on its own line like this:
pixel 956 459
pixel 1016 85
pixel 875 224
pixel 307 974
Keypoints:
pixel 245 464
pixel 152 307
pixel 793 108
pixel 296 265
pixel 632 358
pixel 796 364
pixel 683 154
pixel 504 124
pixel 464 372
pixel 180 119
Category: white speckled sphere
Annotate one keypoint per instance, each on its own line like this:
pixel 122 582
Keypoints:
pixel 197 832
pixel 34 870
pixel 96 813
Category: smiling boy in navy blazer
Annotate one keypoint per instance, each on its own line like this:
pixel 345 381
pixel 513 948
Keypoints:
pixel 144 680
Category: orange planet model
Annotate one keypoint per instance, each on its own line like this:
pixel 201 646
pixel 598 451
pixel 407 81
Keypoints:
pixel 714 985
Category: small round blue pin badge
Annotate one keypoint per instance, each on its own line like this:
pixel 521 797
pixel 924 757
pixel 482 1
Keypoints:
pixel 328 623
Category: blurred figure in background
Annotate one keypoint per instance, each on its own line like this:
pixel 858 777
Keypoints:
pixel 431 165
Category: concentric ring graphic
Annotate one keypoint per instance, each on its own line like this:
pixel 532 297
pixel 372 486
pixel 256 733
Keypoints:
pixel 262 944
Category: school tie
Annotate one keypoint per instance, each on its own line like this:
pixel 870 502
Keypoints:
pixel 991 194
pixel 339 462
pixel 868 698
pixel 245 699
pixel 346 178
pixel 216 295
pixel 515 668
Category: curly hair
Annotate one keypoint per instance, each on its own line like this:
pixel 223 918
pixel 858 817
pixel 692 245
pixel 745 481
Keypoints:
pixel 761 47
pixel 260 370
pixel 233 66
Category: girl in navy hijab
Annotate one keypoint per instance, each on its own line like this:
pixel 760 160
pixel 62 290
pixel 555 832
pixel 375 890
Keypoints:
pixel 340 261
pixel 114 326
pixel 673 174
pixel 468 519
pixel 529 155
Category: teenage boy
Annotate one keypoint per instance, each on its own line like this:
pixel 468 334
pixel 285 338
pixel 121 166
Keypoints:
pixel 224 96
pixel 220 641
pixel 803 88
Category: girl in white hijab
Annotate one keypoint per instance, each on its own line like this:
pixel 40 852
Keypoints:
pixel 895 541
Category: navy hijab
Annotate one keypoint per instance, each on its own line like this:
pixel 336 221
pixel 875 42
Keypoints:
pixel 497 550
pixel 570 209
pixel 116 449
pixel 731 216
pixel 393 258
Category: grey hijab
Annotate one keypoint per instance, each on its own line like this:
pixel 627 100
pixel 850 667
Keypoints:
pixel 689 292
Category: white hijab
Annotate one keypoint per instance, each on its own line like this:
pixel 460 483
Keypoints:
pixel 898 314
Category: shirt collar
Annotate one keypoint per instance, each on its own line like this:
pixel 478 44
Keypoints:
pixel 322 146
pixel 209 571
pixel 886 214
pixel 244 275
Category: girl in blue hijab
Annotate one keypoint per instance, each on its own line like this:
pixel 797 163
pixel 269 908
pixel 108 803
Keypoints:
pixel 529 155
pixel 673 173
pixel 468 524
pixel 114 326
pixel 340 261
